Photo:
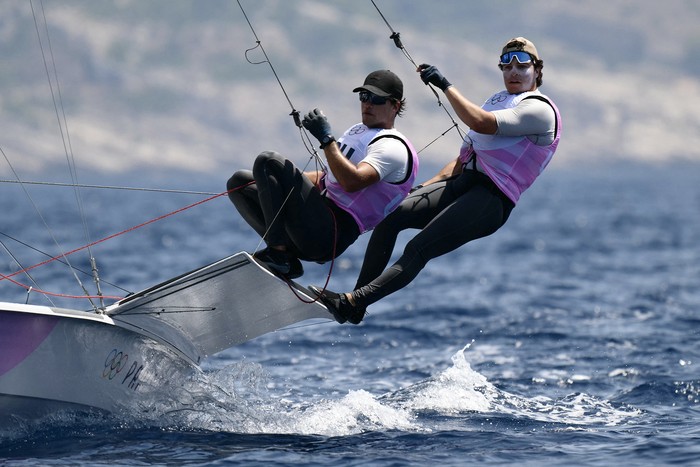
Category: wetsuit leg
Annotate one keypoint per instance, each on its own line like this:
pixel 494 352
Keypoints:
pixel 479 212
pixel 415 212
pixel 296 213
pixel 244 197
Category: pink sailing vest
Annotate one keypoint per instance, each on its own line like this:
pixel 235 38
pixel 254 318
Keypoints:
pixel 371 204
pixel 512 162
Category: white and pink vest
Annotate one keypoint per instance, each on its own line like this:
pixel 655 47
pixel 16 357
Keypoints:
pixel 372 204
pixel 512 162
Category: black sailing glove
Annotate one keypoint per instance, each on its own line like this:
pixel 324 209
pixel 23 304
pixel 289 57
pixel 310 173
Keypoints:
pixel 431 75
pixel 317 124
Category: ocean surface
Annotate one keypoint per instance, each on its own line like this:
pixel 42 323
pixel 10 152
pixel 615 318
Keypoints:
pixel 570 337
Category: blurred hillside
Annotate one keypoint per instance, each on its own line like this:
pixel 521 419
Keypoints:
pixel 165 84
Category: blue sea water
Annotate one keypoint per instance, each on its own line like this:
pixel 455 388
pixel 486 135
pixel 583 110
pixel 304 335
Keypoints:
pixel 570 337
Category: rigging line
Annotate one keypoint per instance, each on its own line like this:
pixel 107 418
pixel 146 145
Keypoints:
pixel 68 146
pixel 435 139
pixel 65 147
pixel 54 294
pixel 330 269
pixel 143 224
pixel 396 37
pixel 295 113
pixel 306 140
pixel 14 258
pixel 73 168
pixel 277 214
pixel 64 255
pixel 49 256
pixel 46 225
pixel 108 187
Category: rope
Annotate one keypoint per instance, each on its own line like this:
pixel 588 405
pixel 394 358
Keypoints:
pixel 108 187
pixel 330 269
pixel 306 140
pixel 333 252
pixel 131 229
pixel 29 289
pixel 53 294
pixel 294 113
pixel 53 238
pixel 65 137
pixel 48 255
pixel 308 144
pixel 396 37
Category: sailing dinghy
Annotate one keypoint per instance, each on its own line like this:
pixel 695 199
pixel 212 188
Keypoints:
pixel 123 358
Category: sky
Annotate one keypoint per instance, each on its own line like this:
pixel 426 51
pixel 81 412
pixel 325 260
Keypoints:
pixel 167 85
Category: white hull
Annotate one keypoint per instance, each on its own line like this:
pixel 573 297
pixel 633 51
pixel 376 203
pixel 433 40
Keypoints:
pixel 54 359
pixel 124 359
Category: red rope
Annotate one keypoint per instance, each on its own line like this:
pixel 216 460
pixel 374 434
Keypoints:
pixel 53 294
pixel 131 229
pixel 330 270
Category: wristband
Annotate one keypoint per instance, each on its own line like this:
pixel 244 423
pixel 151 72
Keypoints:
pixel 326 140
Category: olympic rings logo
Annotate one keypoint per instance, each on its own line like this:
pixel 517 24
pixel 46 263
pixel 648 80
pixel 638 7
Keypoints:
pixel 500 97
pixel 116 360
pixel 357 129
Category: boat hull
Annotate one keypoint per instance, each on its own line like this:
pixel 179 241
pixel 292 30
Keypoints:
pixel 52 359
pixel 137 353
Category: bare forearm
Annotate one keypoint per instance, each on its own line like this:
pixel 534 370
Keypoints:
pixel 350 176
pixel 471 114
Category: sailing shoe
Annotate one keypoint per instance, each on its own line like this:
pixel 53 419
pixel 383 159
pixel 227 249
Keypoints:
pixel 296 270
pixel 276 260
pixel 339 306
pixel 280 262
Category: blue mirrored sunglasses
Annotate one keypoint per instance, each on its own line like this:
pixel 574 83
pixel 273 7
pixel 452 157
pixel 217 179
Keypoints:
pixel 521 57
pixel 366 96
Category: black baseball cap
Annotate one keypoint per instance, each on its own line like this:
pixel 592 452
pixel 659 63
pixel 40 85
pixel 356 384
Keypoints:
pixel 382 83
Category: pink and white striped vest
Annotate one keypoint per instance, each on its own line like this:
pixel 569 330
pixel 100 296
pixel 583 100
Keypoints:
pixel 372 204
pixel 512 162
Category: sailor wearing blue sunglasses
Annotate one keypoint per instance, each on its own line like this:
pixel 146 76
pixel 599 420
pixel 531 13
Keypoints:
pixel 512 138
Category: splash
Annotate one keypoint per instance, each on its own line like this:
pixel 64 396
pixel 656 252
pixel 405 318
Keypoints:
pixel 459 390
pixel 237 399
pixel 689 390
pixel 357 412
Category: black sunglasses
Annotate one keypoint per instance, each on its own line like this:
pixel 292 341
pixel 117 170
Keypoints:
pixel 366 96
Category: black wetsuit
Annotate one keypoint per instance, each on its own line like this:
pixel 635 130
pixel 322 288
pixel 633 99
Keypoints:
pixel 310 225
pixel 450 213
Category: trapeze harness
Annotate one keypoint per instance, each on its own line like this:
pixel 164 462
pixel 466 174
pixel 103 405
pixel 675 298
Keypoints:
pixel 372 204
pixel 511 162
